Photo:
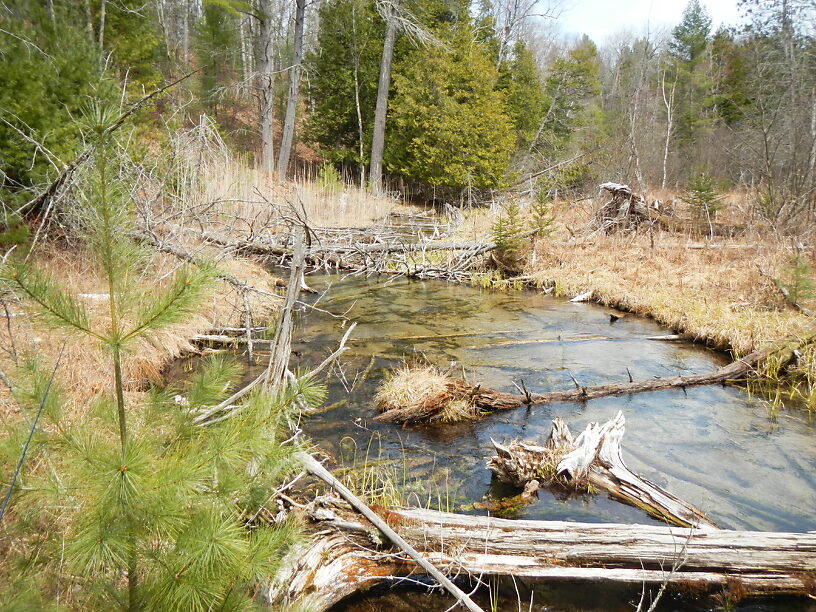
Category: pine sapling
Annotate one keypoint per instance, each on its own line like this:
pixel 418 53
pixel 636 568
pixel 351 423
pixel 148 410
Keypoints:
pixel 140 493
pixel 798 280
pixel 703 198
pixel 507 233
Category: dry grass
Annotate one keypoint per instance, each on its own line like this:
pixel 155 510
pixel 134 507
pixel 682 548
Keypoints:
pixel 85 370
pixel 423 393
pixel 244 192
pixel 715 294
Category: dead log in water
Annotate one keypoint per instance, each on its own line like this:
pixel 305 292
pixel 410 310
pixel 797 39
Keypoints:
pixel 340 561
pixel 487 400
pixel 593 458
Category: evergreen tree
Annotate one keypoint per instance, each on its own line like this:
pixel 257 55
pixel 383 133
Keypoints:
pixel 571 81
pixel 343 70
pixel 139 508
pixel 449 125
pixel 689 48
pixel 526 103
pixel 45 78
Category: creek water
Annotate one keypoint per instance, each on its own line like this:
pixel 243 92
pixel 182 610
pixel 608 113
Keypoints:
pixel 714 446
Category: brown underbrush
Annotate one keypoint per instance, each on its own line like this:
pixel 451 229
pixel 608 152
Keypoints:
pixel 84 370
pixel 719 290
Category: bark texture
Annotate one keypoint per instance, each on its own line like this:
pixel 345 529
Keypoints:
pixel 343 557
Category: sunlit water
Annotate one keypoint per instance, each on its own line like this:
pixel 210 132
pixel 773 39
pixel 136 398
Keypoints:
pixel 713 446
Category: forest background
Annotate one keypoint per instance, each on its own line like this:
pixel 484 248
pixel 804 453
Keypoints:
pixel 435 99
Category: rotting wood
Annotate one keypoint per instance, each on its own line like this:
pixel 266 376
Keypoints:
pixel 488 400
pixel 281 347
pixel 340 561
pixel 594 457
pixel 318 470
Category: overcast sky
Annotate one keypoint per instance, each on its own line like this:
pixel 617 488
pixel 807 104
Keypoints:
pixel 600 18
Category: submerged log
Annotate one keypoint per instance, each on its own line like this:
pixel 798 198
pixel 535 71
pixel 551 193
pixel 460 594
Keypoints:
pixel 340 561
pixel 594 458
pixel 489 400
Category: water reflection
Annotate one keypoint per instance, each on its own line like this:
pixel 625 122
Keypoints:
pixel 712 446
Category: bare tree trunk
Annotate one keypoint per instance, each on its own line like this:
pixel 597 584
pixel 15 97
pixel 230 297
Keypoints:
pixel 357 90
pixel 102 9
pixel 242 39
pixel 86 7
pixel 266 85
pixel 185 32
pixel 669 103
pixel 378 138
pixel 294 85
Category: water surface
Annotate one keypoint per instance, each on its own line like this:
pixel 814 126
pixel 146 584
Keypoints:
pixel 713 446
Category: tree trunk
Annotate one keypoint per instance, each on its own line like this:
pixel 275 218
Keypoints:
pixel 669 104
pixel 266 85
pixel 378 138
pixel 356 56
pixel 102 11
pixel 336 565
pixel 294 85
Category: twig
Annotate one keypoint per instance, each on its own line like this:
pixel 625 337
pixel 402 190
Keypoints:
pixel 30 434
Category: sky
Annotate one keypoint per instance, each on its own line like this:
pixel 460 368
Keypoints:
pixel 600 18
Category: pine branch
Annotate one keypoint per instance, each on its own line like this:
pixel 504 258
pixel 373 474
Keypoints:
pixel 62 309
pixel 179 301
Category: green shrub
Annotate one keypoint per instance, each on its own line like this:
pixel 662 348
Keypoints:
pixel 798 279
pixel 543 219
pixel 329 179
pixel 702 196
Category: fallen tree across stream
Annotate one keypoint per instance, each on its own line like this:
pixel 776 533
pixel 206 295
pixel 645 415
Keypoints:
pixel 486 400
pixel 343 559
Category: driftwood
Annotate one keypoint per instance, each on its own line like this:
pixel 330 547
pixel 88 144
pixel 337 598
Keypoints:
pixel 488 400
pixel 318 470
pixel 594 457
pixel 341 561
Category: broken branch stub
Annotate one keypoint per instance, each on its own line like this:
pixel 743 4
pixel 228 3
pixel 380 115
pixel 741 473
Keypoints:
pixel 593 458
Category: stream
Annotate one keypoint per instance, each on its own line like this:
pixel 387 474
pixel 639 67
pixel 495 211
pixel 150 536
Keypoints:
pixel 715 447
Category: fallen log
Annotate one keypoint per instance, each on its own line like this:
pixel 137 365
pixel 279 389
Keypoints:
pixel 593 458
pixel 486 400
pixel 341 561
pixel 318 470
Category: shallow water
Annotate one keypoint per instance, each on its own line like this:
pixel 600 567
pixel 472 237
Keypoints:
pixel 713 446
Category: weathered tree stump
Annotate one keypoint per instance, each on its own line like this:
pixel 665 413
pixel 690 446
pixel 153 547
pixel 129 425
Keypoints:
pixel 593 458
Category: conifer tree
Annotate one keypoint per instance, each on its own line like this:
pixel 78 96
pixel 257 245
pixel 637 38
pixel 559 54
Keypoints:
pixel 448 123
pixel 141 509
